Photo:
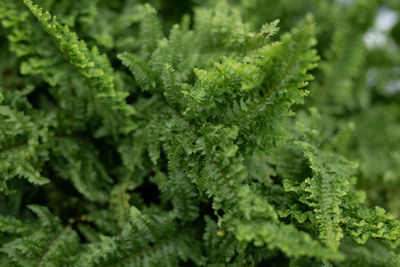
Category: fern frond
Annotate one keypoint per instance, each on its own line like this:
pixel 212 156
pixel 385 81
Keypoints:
pixel 150 27
pixel 326 189
pixel 143 74
pixel 146 241
pixel 181 192
pixel 89 63
pixel 47 243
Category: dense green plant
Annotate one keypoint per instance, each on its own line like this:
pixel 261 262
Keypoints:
pixel 134 133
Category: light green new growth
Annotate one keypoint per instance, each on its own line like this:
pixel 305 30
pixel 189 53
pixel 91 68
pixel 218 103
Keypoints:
pixel 90 63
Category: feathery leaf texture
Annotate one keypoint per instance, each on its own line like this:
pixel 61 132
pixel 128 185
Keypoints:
pixel 206 139
pixel 89 62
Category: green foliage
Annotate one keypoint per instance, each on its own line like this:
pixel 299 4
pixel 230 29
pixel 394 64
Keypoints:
pixel 44 241
pixel 240 133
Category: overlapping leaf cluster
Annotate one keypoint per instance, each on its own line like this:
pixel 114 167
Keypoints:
pixel 149 144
